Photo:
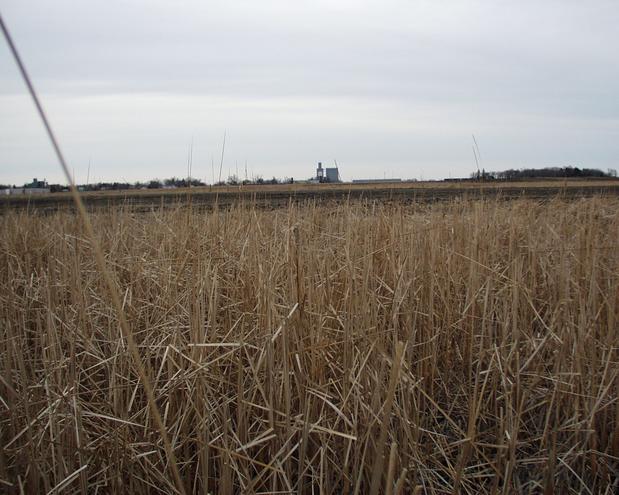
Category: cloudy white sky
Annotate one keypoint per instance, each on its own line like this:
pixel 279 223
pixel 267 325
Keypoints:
pixel 386 88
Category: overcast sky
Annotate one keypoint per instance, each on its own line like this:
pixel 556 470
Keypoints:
pixel 387 88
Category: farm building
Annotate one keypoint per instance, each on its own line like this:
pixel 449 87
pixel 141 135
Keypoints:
pixel 35 187
pixel 329 174
pixel 375 181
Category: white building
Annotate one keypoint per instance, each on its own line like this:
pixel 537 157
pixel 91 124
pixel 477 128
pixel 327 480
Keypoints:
pixel 329 174
pixel 35 187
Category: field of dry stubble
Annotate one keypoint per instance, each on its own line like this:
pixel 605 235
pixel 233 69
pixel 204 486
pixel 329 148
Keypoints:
pixel 460 347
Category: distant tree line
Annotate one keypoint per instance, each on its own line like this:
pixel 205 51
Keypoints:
pixel 539 173
pixel 171 183
pixel 233 180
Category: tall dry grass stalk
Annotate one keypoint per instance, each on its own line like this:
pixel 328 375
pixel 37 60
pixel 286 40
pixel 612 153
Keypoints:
pixel 469 347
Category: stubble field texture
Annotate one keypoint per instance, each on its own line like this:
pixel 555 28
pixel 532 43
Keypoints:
pixel 457 347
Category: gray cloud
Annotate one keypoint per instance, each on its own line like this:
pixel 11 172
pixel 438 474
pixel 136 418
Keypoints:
pixel 384 87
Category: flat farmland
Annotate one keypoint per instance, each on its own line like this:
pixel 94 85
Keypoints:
pixel 279 195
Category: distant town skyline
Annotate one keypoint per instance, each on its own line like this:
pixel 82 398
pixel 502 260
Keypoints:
pixel 388 89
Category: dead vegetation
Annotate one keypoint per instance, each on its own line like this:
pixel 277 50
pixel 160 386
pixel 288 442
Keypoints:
pixel 462 347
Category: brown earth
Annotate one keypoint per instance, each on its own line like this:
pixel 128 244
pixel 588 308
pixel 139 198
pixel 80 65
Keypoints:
pixel 278 195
